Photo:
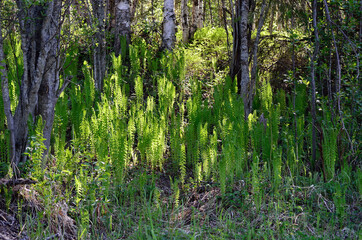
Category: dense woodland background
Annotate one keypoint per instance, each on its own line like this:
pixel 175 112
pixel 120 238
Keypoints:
pixel 180 119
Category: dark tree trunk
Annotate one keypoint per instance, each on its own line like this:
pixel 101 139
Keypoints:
pixel 40 27
pixel 99 42
pixel 185 21
pixel 313 90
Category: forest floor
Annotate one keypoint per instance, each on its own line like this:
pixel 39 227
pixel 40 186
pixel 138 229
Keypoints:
pixel 202 212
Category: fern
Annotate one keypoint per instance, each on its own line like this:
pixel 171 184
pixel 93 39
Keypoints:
pixel 182 163
pixel 277 168
pixel 139 91
pixel 89 89
pixel 256 181
pixel 223 173
pixel 266 97
pixel 36 150
pixel 204 153
pixel 330 135
pixel 359 181
pixel 213 151
pixel 79 190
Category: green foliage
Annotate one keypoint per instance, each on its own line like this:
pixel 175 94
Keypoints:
pixel 330 135
pixel 359 181
pixel 36 150
pixel 208 52
pixel 168 136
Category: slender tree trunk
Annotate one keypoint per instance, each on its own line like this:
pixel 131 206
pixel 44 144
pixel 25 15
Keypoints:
pixel 133 9
pixel 313 90
pixel 40 27
pixel 123 28
pixel 235 60
pixel 226 27
pixel 244 56
pixel 211 17
pixel 339 76
pixel 263 12
pixel 220 11
pixel 168 36
pixel 185 21
pixel 201 17
pixel 99 42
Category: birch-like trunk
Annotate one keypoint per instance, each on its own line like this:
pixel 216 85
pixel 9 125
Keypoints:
pixel 244 56
pixel 185 21
pixel 263 12
pixel 122 28
pixel 169 31
pixel 40 27
pixel 240 59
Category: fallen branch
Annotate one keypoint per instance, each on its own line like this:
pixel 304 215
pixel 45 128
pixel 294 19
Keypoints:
pixel 15 182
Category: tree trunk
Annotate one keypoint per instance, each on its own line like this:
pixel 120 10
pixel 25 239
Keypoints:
pixel 211 17
pixel 123 28
pixel 313 90
pixel 201 16
pixel 339 75
pixel 185 21
pixel 240 59
pixel 263 12
pixel 6 98
pixel 168 35
pixel 197 16
pixel 133 9
pixel 99 43
pixel 40 27
pixel 244 57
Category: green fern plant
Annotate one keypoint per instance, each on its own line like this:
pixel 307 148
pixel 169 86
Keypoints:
pixel 213 152
pixel 139 91
pixel 277 168
pixel 329 146
pixel 255 181
pixel 223 173
pixel 339 200
pixel 359 181
pixel 36 150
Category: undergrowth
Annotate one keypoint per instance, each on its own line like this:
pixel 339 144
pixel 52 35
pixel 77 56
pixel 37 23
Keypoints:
pixel 161 154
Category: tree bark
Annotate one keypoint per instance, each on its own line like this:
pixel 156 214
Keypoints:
pixel 40 27
pixel 244 56
pixel 99 43
pixel 6 98
pixel 263 12
pixel 211 17
pixel 185 21
pixel 168 35
pixel 240 59
pixel 313 90
pixel 197 16
pixel 123 28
